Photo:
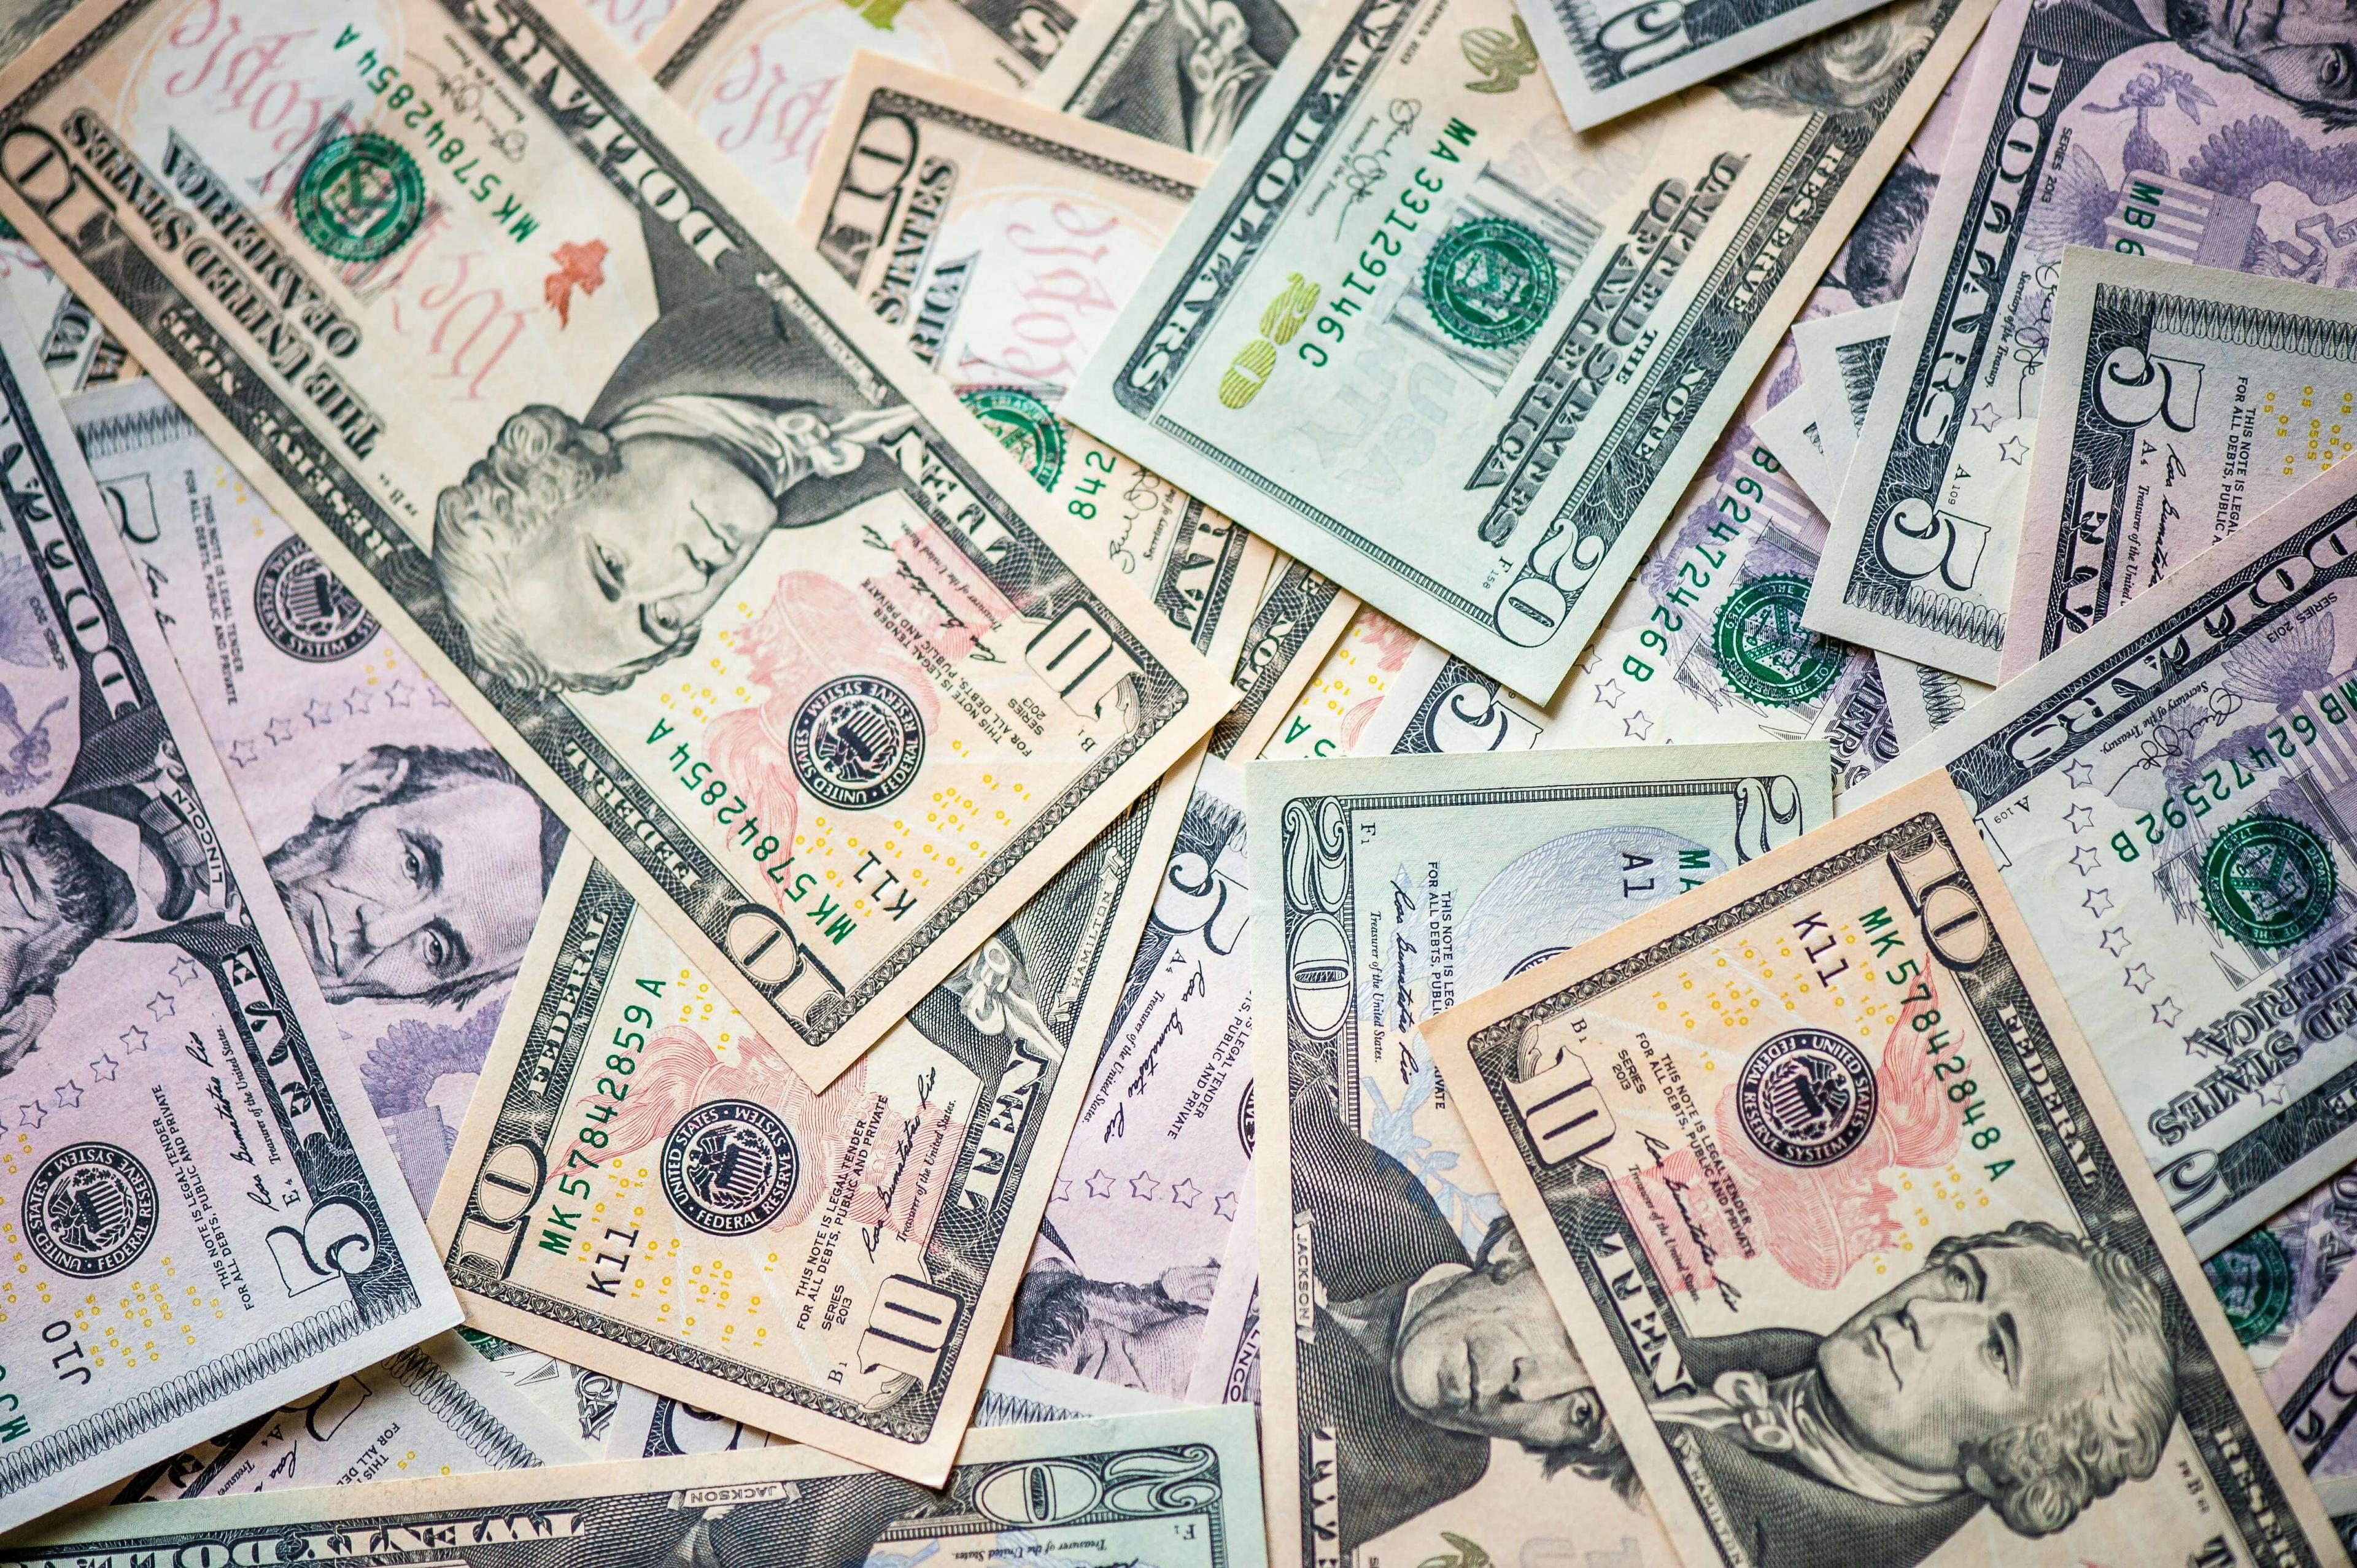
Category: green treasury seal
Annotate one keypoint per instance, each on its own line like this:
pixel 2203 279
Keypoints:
pixel 2252 1282
pixel 1490 282
pixel 1024 426
pixel 2268 881
pixel 1763 650
pixel 360 197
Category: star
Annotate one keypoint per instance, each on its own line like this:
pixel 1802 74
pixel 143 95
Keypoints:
pixel 242 752
pixel 2166 1012
pixel 318 712
pixel 2098 899
pixel 2083 860
pixel 397 694
pixel 278 731
pixel 1185 1194
pixel 1100 1185
pixel 1984 417
pixel 2138 976
pixel 185 970
pixel 1062 1191
pixel 134 1039
pixel 104 1069
pixel 2013 449
pixel 358 700
pixel 1637 726
pixel 1608 695
pixel 2080 772
pixel 433 695
pixel 162 1006
pixel 1224 1206
pixel 2080 817
pixel 1143 1184
pixel 2114 940
pixel 32 1115
pixel 68 1093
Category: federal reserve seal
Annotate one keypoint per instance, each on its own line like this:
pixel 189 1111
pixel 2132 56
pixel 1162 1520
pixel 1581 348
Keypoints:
pixel 1024 426
pixel 1806 1098
pixel 2253 1281
pixel 856 742
pixel 1490 282
pixel 90 1210
pixel 360 197
pixel 730 1167
pixel 2268 881
pixel 305 612
pixel 1763 650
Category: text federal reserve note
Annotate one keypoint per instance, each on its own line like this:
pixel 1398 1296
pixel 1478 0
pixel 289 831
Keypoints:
pixel 1175 1489
pixel 642 1185
pixel 208 1222
pixel 1419 335
pixel 1416 1384
pixel 2170 797
pixel 437 1409
pixel 1855 1243
pixel 2181 401
pixel 732 582
pixel 2187 131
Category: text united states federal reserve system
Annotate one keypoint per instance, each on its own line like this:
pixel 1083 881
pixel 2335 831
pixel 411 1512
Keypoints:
pixel 732 582
pixel 1995 1348
pixel 1418 333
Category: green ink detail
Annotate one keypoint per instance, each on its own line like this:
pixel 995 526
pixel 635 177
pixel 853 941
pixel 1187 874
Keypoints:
pixel 1490 282
pixel 2268 881
pixel 2253 1279
pixel 1468 1554
pixel 1024 426
pixel 360 197
pixel 878 13
pixel 1504 58
pixel 1763 650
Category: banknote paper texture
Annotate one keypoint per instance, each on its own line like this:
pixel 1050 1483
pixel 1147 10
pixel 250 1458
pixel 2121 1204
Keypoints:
pixel 1180 73
pixel 343 753
pixel 1177 1489
pixel 1922 698
pixel 775 625
pixel 995 236
pixel 1857 1245
pixel 834 1268
pixel 1384 889
pixel 764 78
pixel 190 1130
pixel 2099 123
pixel 1604 60
pixel 1841 357
pixel 437 1409
pixel 2313 1383
pixel 2167 798
pixel 1421 337
pixel 2180 401
pixel 2273 1281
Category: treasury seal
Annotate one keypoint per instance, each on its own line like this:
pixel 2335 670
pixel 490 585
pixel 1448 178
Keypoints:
pixel 90 1210
pixel 1763 650
pixel 1806 1098
pixel 360 197
pixel 1490 282
pixel 305 612
pixel 2268 881
pixel 856 742
pixel 730 1167
pixel 1024 426
pixel 2253 1279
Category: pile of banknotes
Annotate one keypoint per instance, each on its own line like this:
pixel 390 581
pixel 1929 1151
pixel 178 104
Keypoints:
pixel 1179 783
